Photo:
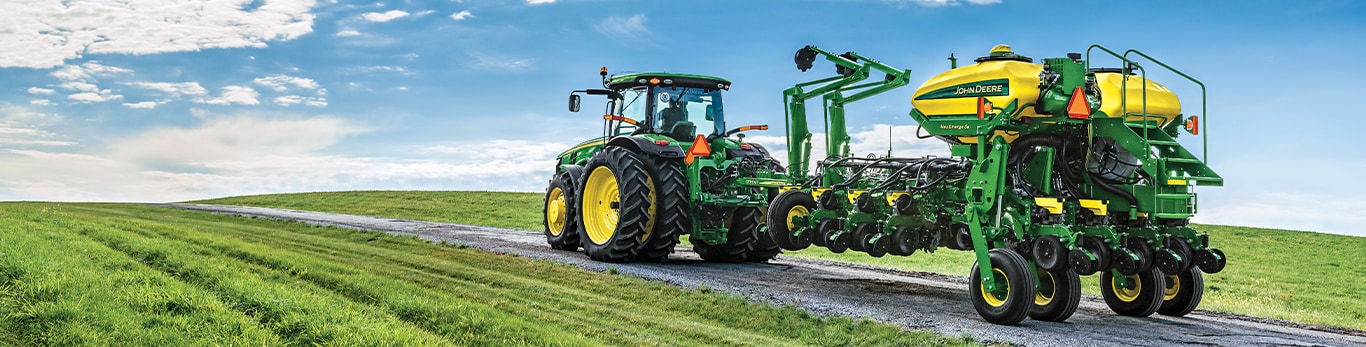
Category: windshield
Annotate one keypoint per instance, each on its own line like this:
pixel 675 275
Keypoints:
pixel 633 103
pixel 683 113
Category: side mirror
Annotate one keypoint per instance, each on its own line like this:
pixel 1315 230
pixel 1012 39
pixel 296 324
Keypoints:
pixel 573 103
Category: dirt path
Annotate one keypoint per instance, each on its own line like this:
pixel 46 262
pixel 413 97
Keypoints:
pixel 914 300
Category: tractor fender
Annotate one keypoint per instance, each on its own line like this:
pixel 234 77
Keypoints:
pixel 645 145
pixel 575 173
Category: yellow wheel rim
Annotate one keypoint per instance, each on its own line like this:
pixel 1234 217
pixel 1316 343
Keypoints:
pixel 794 212
pixel 600 192
pixel 1127 294
pixel 1001 282
pixel 555 212
pixel 1173 287
pixel 1048 288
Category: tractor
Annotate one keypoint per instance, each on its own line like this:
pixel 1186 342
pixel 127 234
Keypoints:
pixel 1057 169
pixel 664 166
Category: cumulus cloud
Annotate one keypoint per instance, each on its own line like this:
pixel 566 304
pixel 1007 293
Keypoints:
pixel 539 2
pixel 86 71
pixel 40 91
pixel 47 33
pixel 93 97
pixel 462 15
pixel 291 100
pixel 381 17
pixel 282 83
pixel 40 102
pixel 420 14
pixel 348 33
pixel 629 27
pixel 243 95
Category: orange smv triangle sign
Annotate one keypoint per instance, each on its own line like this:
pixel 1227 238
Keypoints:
pixel 1078 107
pixel 699 148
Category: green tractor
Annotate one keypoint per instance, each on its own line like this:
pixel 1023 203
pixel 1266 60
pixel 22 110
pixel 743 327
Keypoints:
pixel 665 166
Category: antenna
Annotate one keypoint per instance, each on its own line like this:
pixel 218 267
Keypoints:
pixel 889 140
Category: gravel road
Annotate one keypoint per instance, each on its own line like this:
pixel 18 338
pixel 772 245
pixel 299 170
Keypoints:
pixel 915 300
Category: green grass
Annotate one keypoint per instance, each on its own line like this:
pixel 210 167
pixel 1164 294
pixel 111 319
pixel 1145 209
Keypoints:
pixel 1291 275
pixel 119 274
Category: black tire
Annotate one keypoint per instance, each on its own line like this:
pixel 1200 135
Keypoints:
pixel 1183 294
pixel 671 216
pixel 862 235
pixel 1140 299
pixel 1059 293
pixel 560 213
pixel 905 240
pixel 615 177
pixel 1012 301
pixel 787 205
pixel 1145 251
pixel 742 225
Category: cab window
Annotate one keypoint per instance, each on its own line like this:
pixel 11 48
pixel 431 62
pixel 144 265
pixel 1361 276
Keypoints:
pixel 683 113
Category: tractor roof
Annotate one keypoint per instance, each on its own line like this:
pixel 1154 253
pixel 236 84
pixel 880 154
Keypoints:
pixel 667 79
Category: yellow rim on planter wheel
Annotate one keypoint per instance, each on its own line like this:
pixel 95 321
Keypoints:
pixel 1048 288
pixel 794 212
pixel 555 212
pixel 1002 285
pixel 1173 287
pixel 1127 294
pixel 600 192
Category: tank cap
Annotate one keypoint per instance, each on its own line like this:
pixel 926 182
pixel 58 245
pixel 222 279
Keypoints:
pixel 1003 52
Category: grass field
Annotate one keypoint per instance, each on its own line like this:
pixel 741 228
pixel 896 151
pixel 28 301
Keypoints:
pixel 131 275
pixel 1291 275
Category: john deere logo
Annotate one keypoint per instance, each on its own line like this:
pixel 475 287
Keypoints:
pixel 996 87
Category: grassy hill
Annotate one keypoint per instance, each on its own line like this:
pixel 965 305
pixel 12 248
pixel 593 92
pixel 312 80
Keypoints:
pixel 1291 275
pixel 132 275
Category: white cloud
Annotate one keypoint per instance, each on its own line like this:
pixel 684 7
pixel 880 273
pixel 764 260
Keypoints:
pixel 22 126
pixel 282 83
pixel 249 154
pixel 539 2
pixel 423 13
pixel 348 33
pixel 40 91
pixel 174 89
pixel 632 27
pixel 462 15
pixel 488 62
pixel 93 97
pixel 86 71
pixel 235 95
pixel 289 100
pixel 144 104
pixel 80 86
pixel 46 33
pixel 40 102
pixel 384 16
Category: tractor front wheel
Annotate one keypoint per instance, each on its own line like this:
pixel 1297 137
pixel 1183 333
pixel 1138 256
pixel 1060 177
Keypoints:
pixel 615 205
pixel 1013 296
pixel 560 214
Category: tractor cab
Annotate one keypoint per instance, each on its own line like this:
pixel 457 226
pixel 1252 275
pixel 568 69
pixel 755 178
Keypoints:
pixel 675 105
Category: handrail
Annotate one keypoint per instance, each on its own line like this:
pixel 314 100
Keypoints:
pixel 1204 107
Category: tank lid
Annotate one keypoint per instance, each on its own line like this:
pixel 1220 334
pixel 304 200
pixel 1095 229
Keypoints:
pixel 1003 52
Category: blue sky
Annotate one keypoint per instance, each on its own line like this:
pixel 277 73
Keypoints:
pixel 167 101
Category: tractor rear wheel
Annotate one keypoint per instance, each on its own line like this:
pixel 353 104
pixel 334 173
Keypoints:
pixel 743 225
pixel 1183 294
pixel 1013 298
pixel 615 205
pixel 560 213
pixel 669 196
pixel 784 208
pixel 1058 295
pixel 1139 297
